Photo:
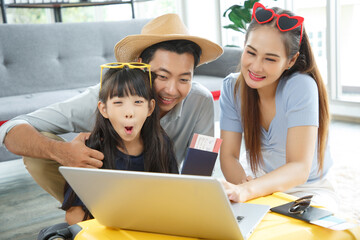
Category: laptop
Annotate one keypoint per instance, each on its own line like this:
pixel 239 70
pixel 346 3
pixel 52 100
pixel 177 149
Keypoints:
pixel 182 205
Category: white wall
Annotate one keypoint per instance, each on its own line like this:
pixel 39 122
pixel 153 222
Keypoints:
pixel 202 17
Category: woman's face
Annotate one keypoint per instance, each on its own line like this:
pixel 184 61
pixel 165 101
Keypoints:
pixel 264 58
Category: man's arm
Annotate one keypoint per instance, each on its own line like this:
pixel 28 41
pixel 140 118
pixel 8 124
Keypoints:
pixel 25 140
pixel 73 115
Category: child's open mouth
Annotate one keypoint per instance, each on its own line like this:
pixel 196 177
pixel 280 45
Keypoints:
pixel 128 130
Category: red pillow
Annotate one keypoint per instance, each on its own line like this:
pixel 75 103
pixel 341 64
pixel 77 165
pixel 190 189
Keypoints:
pixel 216 95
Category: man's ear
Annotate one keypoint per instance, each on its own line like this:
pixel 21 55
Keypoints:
pixel 102 109
pixel 151 107
pixel 293 60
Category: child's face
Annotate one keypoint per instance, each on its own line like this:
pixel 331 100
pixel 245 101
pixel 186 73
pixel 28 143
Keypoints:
pixel 264 58
pixel 127 115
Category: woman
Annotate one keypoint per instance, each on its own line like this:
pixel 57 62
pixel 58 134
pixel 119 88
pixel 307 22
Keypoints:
pixel 278 102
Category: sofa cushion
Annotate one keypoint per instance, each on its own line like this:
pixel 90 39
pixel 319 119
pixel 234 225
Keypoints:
pixel 223 66
pixel 50 57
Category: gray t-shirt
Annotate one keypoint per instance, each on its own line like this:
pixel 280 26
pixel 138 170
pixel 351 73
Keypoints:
pixel 297 104
pixel 195 114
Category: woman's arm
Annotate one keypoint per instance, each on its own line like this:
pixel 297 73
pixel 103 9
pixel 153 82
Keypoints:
pixel 300 150
pixel 229 157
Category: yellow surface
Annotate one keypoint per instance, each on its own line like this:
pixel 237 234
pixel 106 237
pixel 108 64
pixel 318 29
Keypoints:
pixel 273 226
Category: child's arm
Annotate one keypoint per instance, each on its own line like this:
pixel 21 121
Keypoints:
pixel 74 215
pixel 74 207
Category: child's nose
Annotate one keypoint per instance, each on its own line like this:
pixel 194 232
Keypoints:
pixel 129 115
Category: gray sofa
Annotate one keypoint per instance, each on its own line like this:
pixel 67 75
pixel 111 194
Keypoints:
pixel 41 64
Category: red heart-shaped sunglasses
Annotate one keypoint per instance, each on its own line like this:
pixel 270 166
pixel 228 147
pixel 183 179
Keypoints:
pixel 284 22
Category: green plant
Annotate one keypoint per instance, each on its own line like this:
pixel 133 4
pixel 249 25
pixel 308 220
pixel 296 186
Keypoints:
pixel 240 15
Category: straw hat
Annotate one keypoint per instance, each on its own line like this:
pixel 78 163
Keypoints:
pixel 164 28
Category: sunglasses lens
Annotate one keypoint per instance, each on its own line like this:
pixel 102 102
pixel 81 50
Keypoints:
pixel 286 23
pixel 263 15
pixel 300 206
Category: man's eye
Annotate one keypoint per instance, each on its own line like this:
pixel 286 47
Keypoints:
pixel 184 80
pixel 161 77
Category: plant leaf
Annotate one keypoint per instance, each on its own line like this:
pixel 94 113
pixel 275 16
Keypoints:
pixel 249 4
pixel 231 8
pixel 240 15
pixel 232 46
pixel 247 16
pixel 236 17
pixel 233 27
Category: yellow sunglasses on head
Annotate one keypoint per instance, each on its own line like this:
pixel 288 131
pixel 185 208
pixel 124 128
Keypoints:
pixel 130 65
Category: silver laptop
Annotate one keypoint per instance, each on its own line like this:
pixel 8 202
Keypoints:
pixel 183 205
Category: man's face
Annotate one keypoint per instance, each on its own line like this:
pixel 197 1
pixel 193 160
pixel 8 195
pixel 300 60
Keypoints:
pixel 174 74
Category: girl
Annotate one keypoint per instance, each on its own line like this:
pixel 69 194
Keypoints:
pixel 279 103
pixel 127 130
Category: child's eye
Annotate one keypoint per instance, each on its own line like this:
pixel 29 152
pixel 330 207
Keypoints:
pixel 139 101
pixel 118 102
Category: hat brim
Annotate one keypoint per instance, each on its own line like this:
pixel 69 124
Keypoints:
pixel 129 48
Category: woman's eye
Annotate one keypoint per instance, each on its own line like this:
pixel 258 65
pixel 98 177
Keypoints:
pixel 270 59
pixel 251 53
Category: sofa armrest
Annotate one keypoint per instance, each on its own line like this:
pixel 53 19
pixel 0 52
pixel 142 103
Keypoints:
pixel 227 63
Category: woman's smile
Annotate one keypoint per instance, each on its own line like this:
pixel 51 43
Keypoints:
pixel 255 76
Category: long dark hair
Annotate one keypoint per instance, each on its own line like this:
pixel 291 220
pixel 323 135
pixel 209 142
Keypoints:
pixel 305 63
pixel 158 149
pixel 120 83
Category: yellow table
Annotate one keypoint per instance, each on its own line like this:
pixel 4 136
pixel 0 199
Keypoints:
pixel 273 226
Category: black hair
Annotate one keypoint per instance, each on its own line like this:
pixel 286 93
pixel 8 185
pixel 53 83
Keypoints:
pixel 158 150
pixel 176 46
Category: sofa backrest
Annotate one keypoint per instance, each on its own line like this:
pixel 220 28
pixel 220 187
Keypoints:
pixel 49 57
pixel 227 63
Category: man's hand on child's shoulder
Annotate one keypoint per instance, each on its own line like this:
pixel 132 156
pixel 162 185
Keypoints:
pixel 77 154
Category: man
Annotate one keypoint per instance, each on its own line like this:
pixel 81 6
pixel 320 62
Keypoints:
pixel 185 107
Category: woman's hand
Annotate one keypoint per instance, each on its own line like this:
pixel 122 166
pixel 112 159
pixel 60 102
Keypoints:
pixel 237 193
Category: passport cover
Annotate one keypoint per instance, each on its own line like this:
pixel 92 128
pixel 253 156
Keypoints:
pixel 199 162
pixel 311 213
